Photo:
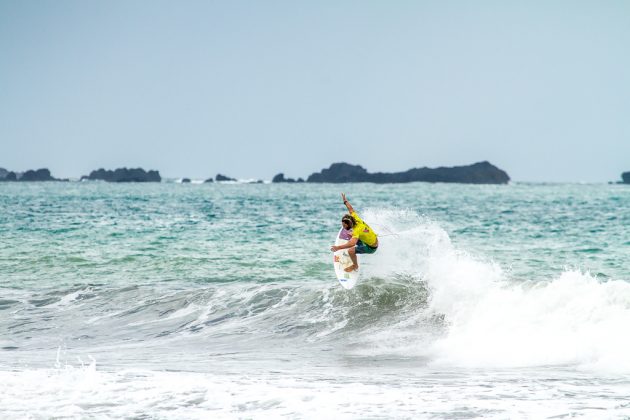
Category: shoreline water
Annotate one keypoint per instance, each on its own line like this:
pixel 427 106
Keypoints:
pixel 486 301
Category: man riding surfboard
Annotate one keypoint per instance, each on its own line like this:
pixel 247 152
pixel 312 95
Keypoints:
pixel 364 240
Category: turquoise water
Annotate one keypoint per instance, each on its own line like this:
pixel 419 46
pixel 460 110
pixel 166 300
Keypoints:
pixel 180 300
pixel 217 233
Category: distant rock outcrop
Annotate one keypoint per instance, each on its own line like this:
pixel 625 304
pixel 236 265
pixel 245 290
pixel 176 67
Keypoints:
pixel 124 175
pixel 209 180
pixel 280 178
pixel 28 176
pixel 477 173
pixel 186 181
pixel 341 172
pixel 6 175
pixel 625 177
pixel 38 175
pixel 220 177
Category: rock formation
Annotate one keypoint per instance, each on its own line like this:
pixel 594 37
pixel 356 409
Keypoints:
pixel 220 178
pixel 280 178
pixel 38 175
pixel 28 176
pixel 6 175
pixel 477 173
pixel 124 175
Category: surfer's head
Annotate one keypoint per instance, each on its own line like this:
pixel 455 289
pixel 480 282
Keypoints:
pixel 347 221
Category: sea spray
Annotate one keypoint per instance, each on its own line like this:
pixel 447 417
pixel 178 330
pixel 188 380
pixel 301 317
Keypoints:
pixel 571 320
pixel 492 320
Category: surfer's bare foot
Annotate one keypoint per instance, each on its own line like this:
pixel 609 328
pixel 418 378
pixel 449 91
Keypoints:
pixel 351 268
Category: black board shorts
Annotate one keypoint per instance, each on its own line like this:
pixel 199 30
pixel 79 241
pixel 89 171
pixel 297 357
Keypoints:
pixel 363 248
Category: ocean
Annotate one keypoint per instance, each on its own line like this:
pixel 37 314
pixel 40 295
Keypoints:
pixel 199 301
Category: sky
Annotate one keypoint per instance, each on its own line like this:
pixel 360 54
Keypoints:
pixel 251 88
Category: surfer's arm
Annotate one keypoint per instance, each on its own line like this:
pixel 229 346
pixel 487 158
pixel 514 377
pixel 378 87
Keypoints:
pixel 347 203
pixel 352 242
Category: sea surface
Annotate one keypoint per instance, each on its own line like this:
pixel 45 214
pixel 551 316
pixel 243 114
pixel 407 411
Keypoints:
pixel 199 301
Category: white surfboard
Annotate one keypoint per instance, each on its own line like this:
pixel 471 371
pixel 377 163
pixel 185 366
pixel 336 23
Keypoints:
pixel 341 260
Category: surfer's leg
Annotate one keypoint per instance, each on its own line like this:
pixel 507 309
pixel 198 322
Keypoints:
pixel 353 256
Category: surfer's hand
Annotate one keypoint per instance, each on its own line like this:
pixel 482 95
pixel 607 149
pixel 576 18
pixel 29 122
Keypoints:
pixel 334 248
pixel 343 196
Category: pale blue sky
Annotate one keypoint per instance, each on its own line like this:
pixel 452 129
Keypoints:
pixel 252 88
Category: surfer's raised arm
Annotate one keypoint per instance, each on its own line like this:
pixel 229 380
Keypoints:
pixel 347 203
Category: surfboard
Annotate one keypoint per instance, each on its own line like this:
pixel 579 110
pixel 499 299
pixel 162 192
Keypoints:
pixel 341 260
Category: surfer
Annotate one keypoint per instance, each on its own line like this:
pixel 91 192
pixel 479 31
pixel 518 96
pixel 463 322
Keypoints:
pixel 364 240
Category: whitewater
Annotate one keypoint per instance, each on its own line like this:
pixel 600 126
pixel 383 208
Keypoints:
pixel 220 301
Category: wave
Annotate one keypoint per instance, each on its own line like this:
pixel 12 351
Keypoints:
pixel 419 297
pixel 493 320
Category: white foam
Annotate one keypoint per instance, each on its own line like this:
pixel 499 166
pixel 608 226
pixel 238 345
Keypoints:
pixel 496 321
pixel 85 392
pixel 573 319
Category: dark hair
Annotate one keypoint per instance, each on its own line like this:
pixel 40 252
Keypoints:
pixel 348 219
